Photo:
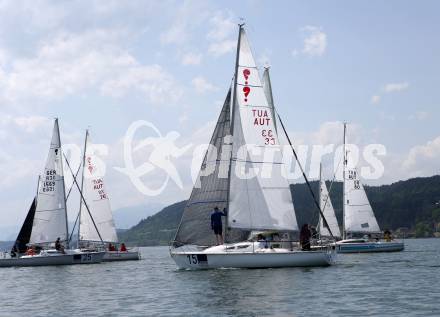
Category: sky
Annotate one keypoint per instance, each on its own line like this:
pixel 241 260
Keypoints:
pixel 105 65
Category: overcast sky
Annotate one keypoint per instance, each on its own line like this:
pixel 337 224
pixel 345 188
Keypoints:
pixel 107 64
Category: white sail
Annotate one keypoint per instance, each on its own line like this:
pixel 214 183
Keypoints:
pixel 329 213
pixel 267 87
pixel 261 201
pixel 98 203
pixel 50 221
pixel 359 216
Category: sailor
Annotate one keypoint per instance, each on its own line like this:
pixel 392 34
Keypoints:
pixel 304 237
pixel 387 236
pixel 58 245
pixel 15 249
pixel 123 247
pixel 216 224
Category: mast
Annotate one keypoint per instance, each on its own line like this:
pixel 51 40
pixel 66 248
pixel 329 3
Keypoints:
pixel 344 234
pixel 38 189
pixel 82 186
pixel 320 199
pixel 269 94
pixel 234 98
pixel 63 185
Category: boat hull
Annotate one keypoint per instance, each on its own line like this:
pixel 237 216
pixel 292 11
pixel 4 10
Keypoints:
pixel 111 256
pixel 48 260
pixel 207 260
pixel 370 247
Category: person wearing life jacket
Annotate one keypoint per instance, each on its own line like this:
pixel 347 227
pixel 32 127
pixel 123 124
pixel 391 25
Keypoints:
pixel 30 251
pixel 111 247
pixel 123 247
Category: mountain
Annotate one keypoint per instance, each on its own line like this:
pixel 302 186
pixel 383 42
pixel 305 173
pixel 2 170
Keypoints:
pixel 158 229
pixel 128 217
pixel 413 204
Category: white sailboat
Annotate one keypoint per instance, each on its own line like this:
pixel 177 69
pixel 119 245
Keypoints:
pixel 48 215
pixel 328 211
pixel 359 216
pixel 101 229
pixel 255 202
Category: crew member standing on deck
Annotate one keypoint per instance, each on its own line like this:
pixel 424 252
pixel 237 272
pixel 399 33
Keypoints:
pixel 216 224
pixel 304 237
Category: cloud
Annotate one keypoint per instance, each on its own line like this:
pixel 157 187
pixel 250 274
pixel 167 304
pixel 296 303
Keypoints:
pixel 186 19
pixel 314 41
pixel 192 58
pixel 72 63
pixel 221 27
pixel 389 88
pixel 223 47
pixel 201 85
pixel 221 34
pixel 419 116
pixel 375 99
pixel 396 87
pixel 422 160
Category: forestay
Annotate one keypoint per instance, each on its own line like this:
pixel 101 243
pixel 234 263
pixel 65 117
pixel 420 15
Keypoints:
pixel 359 216
pixel 98 203
pixel 260 196
pixel 50 221
pixel 329 213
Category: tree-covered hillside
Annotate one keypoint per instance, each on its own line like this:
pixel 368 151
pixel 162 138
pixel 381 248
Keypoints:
pixel 411 204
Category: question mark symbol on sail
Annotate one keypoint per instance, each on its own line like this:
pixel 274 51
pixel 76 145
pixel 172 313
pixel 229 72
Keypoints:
pixel 246 74
pixel 246 91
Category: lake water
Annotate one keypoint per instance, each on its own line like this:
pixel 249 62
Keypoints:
pixel 393 284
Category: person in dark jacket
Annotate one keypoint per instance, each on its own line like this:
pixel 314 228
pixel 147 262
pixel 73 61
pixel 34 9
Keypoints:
pixel 216 224
pixel 304 237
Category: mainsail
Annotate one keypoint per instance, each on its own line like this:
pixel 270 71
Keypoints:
pixel 260 197
pixel 50 221
pixel 358 214
pixel 98 203
pixel 211 189
pixel 24 235
pixel 328 211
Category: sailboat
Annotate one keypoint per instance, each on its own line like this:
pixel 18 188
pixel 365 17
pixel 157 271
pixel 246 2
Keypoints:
pixel 46 221
pixel 359 216
pixel 251 201
pixel 101 229
pixel 328 211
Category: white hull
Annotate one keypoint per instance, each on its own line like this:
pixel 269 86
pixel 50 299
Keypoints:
pixel 253 257
pixel 47 259
pixel 111 256
pixel 346 246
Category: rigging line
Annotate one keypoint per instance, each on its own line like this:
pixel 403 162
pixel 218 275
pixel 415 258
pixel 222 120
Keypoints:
pixel 73 183
pixel 83 199
pixel 74 226
pixel 330 188
pixel 304 175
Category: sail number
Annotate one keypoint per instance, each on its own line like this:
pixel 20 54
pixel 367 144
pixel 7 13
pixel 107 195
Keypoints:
pixel 268 136
pixel 86 258
pixel 192 259
pixel 197 259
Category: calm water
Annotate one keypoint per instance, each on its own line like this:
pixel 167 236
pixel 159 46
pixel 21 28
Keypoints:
pixel 395 284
